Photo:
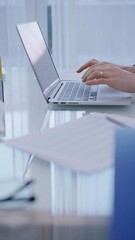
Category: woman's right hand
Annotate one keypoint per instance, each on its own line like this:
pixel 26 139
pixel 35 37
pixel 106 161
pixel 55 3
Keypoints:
pixel 95 62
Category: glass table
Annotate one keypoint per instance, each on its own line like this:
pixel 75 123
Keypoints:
pixel 69 205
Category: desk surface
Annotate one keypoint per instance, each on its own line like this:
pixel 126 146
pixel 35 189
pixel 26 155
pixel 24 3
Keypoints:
pixel 69 205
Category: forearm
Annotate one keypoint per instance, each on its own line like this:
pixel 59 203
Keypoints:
pixel 129 68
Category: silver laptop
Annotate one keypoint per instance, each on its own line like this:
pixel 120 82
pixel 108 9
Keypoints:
pixel 54 89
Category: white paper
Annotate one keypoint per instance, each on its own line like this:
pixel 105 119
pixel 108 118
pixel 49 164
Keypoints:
pixel 126 120
pixel 85 144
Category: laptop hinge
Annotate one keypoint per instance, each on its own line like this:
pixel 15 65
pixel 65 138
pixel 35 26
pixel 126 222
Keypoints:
pixel 49 90
pixel 55 91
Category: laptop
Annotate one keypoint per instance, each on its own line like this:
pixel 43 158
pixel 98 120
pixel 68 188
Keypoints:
pixel 55 90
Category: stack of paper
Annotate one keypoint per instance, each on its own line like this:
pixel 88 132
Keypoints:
pixel 86 144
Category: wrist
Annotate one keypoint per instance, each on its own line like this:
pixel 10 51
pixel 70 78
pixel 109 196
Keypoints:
pixel 129 68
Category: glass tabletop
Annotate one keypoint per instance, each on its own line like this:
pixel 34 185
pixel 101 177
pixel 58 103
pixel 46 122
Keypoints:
pixel 59 191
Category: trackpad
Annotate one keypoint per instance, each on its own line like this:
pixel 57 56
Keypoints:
pixel 106 92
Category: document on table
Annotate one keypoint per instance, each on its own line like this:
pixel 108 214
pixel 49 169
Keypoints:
pixel 86 144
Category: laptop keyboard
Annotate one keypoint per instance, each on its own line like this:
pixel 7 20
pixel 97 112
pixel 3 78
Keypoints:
pixel 78 92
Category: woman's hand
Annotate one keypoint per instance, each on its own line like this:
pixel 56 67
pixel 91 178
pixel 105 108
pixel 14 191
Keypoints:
pixel 94 62
pixel 107 73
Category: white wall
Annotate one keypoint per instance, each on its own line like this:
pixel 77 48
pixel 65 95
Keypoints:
pixel 13 12
pixel 106 31
pixel 102 29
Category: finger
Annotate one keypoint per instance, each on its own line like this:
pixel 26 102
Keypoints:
pixel 88 73
pixel 96 81
pixel 87 64
pixel 91 63
pixel 94 75
pixel 99 67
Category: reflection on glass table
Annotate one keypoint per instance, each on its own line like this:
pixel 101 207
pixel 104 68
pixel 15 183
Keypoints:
pixel 16 193
pixel 62 191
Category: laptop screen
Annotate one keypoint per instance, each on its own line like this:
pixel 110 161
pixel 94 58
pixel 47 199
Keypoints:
pixel 38 54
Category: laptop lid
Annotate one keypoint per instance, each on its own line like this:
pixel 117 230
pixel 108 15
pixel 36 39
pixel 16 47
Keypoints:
pixel 39 56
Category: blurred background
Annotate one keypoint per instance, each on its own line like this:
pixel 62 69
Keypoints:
pixel 76 30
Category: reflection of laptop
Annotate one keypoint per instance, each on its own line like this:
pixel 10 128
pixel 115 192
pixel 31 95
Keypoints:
pixel 58 91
